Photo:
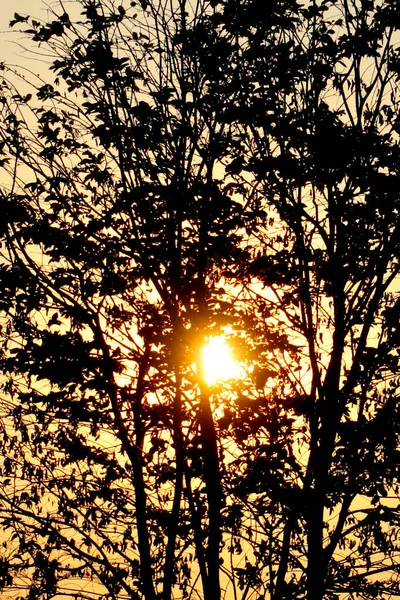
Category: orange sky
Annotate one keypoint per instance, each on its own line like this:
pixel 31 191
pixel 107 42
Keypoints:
pixel 9 51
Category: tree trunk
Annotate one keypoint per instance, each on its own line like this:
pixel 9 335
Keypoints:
pixel 176 506
pixel 315 565
pixel 212 479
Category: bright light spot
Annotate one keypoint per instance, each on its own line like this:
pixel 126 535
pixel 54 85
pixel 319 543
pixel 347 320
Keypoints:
pixel 218 362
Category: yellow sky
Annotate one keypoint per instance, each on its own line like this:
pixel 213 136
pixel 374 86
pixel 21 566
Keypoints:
pixel 9 50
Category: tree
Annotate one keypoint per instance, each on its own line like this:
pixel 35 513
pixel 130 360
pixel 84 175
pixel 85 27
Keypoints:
pixel 197 170
pixel 317 132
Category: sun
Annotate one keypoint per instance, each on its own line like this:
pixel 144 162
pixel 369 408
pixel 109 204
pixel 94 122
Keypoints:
pixel 218 362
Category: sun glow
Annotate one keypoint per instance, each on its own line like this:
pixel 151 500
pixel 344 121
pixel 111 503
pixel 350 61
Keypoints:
pixel 218 362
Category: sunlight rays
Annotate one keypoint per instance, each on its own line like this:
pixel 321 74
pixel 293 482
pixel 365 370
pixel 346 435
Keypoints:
pixel 218 363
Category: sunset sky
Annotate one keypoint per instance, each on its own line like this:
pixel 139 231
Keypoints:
pixel 9 50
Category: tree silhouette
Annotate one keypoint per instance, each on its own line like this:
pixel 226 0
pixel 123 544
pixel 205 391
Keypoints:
pixel 193 170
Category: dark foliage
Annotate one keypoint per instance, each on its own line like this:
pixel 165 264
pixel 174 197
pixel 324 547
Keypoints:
pixel 192 170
